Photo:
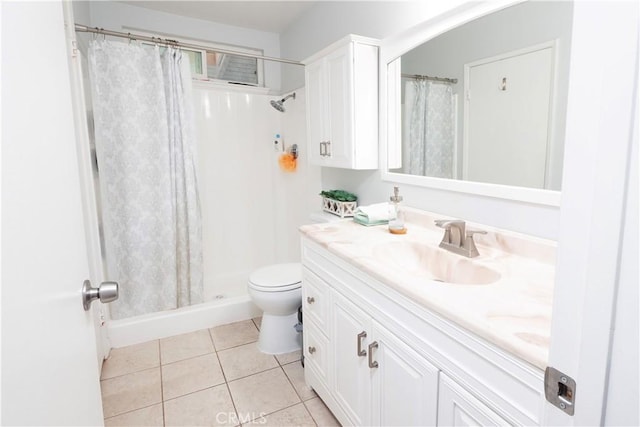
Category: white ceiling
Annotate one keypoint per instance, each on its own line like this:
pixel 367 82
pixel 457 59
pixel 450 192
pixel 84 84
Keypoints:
pixel 272 16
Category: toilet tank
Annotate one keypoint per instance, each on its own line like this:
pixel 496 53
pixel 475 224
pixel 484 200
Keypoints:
pixel 321 216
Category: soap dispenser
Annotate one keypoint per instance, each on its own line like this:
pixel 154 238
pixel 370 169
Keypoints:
pixel 396 224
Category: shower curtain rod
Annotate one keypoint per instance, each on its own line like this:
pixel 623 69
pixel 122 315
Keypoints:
pixel 175 43
pixel 436 79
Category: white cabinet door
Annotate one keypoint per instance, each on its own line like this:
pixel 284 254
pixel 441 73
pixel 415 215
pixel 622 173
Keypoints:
pixel 457 407
pixel 351 329
pixel 316 110
pixel 405 385
pixel 339 67
pixel 341 84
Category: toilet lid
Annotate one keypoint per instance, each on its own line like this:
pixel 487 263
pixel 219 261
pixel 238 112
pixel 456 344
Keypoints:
pixel 278 277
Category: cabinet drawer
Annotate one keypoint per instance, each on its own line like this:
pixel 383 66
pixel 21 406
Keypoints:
pixel 458 407
pixel 315 299
pixel 316 351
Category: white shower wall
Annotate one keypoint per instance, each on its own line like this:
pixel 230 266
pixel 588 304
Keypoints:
pixel 251 209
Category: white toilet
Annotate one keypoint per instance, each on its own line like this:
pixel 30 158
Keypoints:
pixel 276 290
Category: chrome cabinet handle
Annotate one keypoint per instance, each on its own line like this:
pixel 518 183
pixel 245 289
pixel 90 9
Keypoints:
pixel 312 349
pixel 372 363
pixel 311 300
pixel 361 335
pixel 327 150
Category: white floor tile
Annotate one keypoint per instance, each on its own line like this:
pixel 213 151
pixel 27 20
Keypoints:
pixel 185 346
pixel 245 360
pixel 187 376
pixel 132 391
pixel 262 394
pixel 234 334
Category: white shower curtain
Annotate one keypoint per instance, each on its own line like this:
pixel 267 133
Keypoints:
pixel 145 149
pixel 429 128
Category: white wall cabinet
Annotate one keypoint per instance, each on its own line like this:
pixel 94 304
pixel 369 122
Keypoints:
pixel 376 358
pixel 341 84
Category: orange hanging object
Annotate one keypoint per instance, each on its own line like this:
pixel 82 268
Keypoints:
pixel 287 162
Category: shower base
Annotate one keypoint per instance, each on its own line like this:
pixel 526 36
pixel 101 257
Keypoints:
pixel 219 311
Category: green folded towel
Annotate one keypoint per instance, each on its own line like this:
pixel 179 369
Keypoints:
pixel 363 219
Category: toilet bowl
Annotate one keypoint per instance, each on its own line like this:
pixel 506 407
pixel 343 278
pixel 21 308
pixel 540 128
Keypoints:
pixel 276 290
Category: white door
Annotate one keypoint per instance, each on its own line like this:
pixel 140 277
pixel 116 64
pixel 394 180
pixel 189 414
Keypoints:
pixel 405 384
pixel 351 336
pixel 507 111
pixel 49 362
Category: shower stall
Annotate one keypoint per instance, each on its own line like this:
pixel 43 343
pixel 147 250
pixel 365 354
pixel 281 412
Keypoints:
pixel 250 209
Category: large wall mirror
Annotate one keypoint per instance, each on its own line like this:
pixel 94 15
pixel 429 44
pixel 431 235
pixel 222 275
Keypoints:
pixel 481 106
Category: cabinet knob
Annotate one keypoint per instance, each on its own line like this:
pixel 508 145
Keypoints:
pixel 311 300
pixel 312 349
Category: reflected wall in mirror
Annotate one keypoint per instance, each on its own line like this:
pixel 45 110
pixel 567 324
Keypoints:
pixel 486 101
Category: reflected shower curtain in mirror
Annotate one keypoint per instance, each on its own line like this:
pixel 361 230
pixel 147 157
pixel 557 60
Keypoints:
pixel 429 128
pixel 144 137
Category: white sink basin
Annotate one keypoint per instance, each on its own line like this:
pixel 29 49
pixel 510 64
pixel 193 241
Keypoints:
pixel 435 263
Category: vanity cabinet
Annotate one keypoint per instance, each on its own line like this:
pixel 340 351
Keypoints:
pixel 404 384
pixel 341 84
pixel 377 358
pixel 376 378
pixel 457 407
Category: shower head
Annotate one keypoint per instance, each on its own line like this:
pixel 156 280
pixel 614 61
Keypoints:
pixel 279 105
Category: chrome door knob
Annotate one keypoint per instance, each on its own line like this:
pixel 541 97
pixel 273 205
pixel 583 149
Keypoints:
pixel 106 292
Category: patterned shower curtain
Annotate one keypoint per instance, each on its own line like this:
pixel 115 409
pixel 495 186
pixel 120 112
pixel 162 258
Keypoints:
pixel 429 123
pixel 145 143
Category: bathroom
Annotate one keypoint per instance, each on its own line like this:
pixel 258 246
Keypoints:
pixel 586 247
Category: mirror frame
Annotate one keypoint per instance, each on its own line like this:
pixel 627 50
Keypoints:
pixel 391 49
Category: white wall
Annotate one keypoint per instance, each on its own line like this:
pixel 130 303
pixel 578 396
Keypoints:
pixel 118 16
pixel 326 22
pixel 251 209
pixel 297 193
pixel 510 29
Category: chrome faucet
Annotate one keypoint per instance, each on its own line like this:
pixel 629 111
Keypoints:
pixel 457 239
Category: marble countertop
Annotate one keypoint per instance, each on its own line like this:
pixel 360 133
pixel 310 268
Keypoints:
pixel 513 311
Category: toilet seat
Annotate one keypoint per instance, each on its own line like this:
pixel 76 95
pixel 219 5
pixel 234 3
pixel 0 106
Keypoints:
pixel 277 278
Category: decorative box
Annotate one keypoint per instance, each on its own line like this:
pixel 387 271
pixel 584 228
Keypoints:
pixel 341 209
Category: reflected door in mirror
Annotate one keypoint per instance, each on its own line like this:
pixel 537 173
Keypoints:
pixel 507 110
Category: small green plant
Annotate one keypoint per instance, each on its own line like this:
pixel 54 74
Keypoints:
pixel 339 195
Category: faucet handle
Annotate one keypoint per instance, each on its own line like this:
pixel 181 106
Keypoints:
pixel 447 223
pixel 440 222
pixel 470 233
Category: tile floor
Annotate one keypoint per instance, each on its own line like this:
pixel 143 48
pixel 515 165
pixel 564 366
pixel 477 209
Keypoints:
pixel 211 377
